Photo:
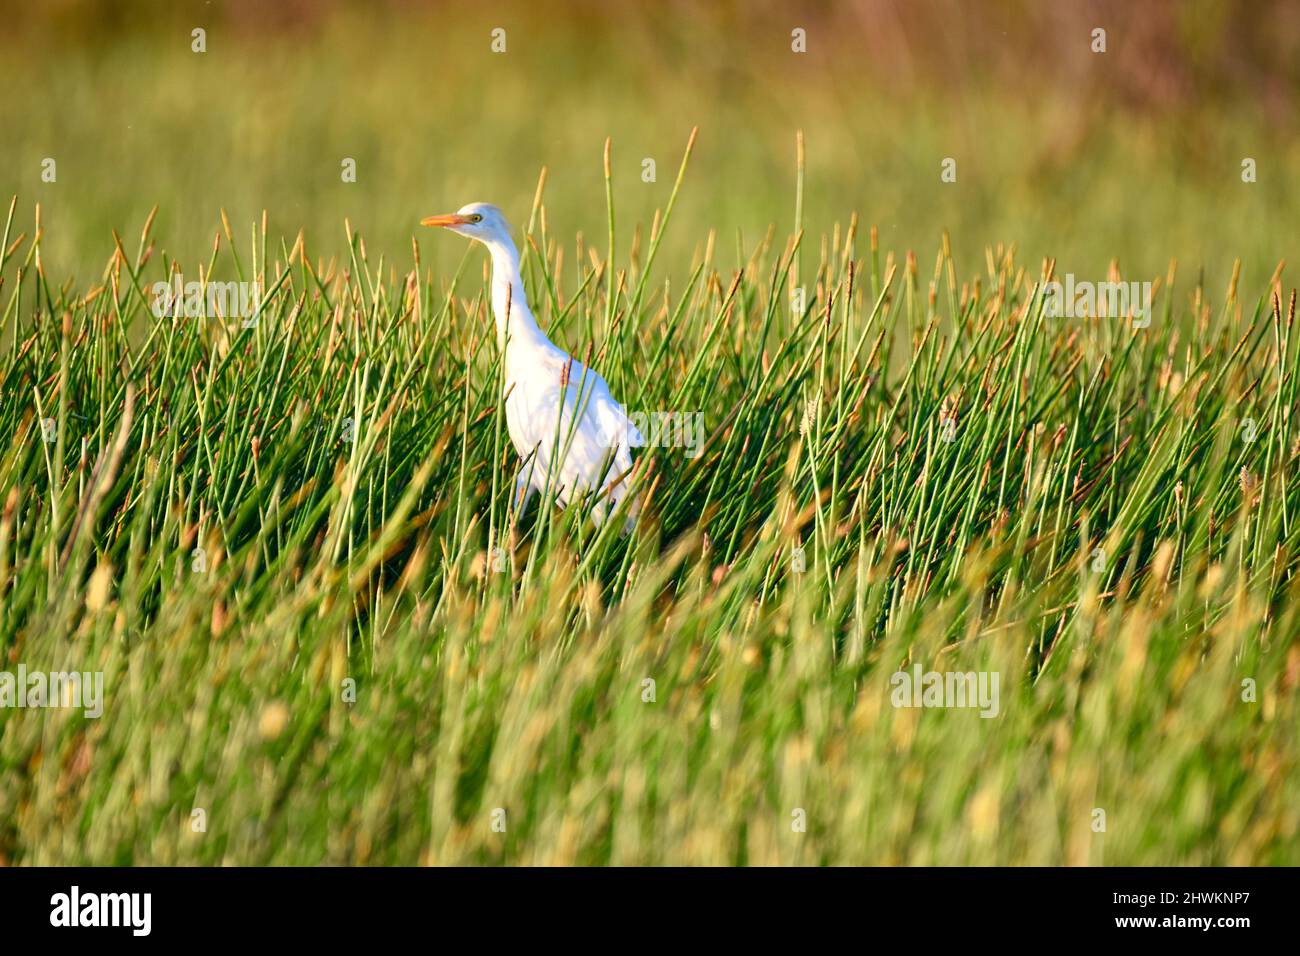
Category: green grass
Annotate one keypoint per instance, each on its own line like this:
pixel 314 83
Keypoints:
pixel 329 562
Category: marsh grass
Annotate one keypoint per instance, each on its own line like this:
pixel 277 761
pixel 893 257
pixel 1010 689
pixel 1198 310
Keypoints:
pixel 233 523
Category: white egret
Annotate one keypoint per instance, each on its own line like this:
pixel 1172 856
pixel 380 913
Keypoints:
pixel 542 385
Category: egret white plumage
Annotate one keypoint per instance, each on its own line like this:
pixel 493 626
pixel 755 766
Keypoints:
pixel 545 388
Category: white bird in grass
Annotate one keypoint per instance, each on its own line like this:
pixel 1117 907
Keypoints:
pixel 542 385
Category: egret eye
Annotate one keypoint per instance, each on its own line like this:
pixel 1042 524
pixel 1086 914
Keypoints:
pixel 476 218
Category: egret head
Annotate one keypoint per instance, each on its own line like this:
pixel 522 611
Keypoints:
pixel 479 220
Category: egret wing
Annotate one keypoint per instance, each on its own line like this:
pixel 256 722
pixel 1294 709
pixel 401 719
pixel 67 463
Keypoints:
pixel 593 454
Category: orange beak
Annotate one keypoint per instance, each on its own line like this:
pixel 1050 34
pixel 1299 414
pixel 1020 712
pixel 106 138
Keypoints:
pixel 450 219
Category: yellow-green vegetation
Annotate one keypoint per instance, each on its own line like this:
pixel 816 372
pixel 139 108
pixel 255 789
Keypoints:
pixel 273 538
pixel 286 539
pixel 1134 154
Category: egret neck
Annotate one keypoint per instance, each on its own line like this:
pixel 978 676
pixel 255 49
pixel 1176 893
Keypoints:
pixel 509 304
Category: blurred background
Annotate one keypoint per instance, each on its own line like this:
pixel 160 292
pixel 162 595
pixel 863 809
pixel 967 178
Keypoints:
pixel 1135 153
